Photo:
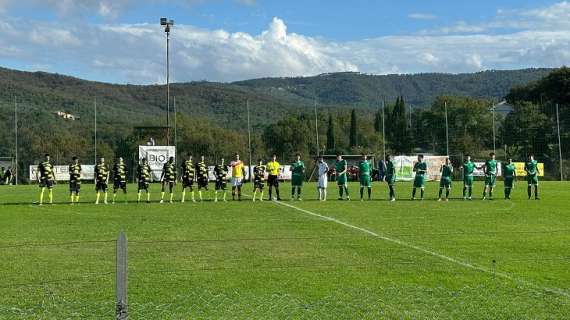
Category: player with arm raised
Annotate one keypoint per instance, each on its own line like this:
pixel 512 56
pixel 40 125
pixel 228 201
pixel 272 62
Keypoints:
pixel 323 179
pixel 238 175
pixel 390 177
pixel 298 175
pixel 188 177
pixel 221 173
pixel 468 169
pixel 101 180
pixel 119 178
pixel 532 173
pixel 341 167
pixel 74 180
pixel 446 177
pixel 365 177
pixel 420 168
pixel 510 174
pixel 143 176
pixel 259 180
pixel 168 178
pixel 46 179
pixel 273 177
pixel 490 169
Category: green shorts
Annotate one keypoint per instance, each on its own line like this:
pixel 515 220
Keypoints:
pixel 490 180
pixel 419 181
pixel 297 180
pixel 341 180
pixel 532 179
pixel 365 181
pixel 391 180
pixel 445 183
pixel 509 182
pixel 468 181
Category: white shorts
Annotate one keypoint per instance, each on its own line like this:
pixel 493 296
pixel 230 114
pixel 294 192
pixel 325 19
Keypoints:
pixel 237 181
pixel 323 181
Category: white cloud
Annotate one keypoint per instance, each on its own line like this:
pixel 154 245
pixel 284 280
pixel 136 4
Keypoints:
pixel 422 16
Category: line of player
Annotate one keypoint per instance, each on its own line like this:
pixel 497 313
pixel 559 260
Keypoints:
pixel 196 174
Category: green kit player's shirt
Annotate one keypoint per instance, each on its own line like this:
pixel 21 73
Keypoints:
pixel 390 168
pixel 491 167
pixel 420 168
pixel 364 168
pixel 468 169
pixel 101 172
pixel 143 173
pixel 531 167
pixel 75 173
pixel 188 170
pixel 298 168
pixel 509 171
pixel 339 166
pixel 169 172
pixel 202 170
pixel 446 172
pixel 120 172
pixel 45 170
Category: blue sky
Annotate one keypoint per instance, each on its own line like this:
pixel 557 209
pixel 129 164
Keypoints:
pixel 227 40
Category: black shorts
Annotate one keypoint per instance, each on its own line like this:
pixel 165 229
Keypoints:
pixel 258 184
pixel 143 185
pixel 273 181
pixel 46 184
pixel 168 183
pixel 74 187
pixel 120 185
pixel 221 185
pixel 101 186
pixel 187 183
pixel 202 183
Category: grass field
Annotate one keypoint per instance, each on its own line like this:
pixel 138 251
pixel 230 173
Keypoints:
pixel 290 260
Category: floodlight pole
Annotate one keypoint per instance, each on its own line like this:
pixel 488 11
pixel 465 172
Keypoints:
pixel 249 137
pixel 16 138
pixel 494 134
pixel 559 144
pixel 383 130
pixel 167 25
pixel 446 130
pixel 175 133
pixel 95 129
pixel 317 126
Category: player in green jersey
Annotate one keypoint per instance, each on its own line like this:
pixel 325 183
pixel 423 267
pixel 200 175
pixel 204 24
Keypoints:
pixel 341 167
pixel 446 177
pixel 490 169
pixel 144 177
pixel 202 174
pixel 119 178
pixel 259 180
pixel 390 177
pixel 101 180
pixel 420 168
pixel 298 175
pixel 188 177
pixel 221 174
pixel 74 180
pixel 365 177
pixel 510 174
pixel 46 179
pixel 532 173
pixel 468 169
pixel 168 177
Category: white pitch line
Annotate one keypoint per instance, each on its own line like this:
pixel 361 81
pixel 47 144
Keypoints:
pixel 429 252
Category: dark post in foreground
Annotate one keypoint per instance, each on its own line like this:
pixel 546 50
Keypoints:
pixel 121 279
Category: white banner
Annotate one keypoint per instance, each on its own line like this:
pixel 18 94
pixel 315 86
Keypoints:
pixel 61 173
pixel 157 156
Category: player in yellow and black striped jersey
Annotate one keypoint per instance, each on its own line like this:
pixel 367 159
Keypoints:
pixel 188 177
pixel 259 180
pixel 143 176
pixel 101 179
pixel 119 178
pixel 202 176
pixel 221 173
pixel 74 180
pixel 46 179
pixel 168 177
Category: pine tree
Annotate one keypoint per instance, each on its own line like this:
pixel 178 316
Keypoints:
pixel 331 144
pixel 353 137
pixel 378 122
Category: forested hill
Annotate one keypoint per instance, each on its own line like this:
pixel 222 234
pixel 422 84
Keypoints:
pixel 358 89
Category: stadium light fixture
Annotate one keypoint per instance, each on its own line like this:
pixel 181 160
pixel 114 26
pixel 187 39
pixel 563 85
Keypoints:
pixel 167 24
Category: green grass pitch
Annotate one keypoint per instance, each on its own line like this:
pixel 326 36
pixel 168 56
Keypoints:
pixel 240 260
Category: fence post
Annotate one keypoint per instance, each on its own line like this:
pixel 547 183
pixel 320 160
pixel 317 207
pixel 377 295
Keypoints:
pixel 121 277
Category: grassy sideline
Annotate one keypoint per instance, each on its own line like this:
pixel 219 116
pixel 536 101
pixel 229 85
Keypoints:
pixel 241 260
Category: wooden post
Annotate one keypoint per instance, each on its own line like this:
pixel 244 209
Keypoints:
pixel 121 277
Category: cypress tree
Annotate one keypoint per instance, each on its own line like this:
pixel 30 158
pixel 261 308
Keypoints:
pixel 331 144
pixel 353 139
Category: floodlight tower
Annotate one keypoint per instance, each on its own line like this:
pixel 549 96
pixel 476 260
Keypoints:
pixel 166 23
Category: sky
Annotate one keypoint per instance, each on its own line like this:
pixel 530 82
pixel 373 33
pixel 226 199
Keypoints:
pixel 121 41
